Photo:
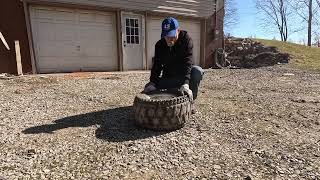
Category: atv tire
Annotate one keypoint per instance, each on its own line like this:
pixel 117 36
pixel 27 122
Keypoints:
pixel 162 110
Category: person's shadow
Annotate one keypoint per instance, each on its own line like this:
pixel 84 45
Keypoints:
pixel 116 125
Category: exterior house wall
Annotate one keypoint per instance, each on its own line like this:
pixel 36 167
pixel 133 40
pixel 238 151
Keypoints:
pixel 214 33
pixel 13 27
pixel 13 24
pixel 197 8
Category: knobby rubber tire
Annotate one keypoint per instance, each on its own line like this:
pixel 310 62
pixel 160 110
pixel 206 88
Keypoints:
pixel 161 114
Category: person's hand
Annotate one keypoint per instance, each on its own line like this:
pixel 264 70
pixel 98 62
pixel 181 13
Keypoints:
pixel 149 87
pixel 184 89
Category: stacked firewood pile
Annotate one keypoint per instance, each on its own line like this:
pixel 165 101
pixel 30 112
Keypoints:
pixel 247 53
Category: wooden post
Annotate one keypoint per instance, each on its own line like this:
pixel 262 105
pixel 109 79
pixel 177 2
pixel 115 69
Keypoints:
pixel 18 57
pixel 4 41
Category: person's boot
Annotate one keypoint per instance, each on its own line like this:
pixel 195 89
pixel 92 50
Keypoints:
pixel 193 108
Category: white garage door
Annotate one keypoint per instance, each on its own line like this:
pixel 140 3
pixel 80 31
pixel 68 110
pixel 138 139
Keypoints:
pixel 193 27
pixel 68 40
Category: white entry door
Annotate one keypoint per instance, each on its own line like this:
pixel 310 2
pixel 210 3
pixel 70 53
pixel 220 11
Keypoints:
pixel 133 41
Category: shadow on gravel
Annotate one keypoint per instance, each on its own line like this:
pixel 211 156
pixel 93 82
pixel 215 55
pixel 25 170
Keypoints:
pixel 116 125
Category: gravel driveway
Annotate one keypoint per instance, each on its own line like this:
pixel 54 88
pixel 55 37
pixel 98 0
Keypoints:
pixel 251 124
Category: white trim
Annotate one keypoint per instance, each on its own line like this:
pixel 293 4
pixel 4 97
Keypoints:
pixel 4 41
pixel 143 38
pixel 176 13
pixel 177 9
pixel 177 2
pixel 30 38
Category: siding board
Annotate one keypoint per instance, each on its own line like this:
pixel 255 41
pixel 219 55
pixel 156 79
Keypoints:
pixel 196 8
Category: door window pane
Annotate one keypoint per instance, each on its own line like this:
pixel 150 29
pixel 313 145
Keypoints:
pixel 127 31
pixel 132 22
pixel 132 31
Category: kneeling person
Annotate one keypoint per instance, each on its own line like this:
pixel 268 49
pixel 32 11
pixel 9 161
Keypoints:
pixel 174 58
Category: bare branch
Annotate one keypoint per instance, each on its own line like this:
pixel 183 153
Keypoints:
pixel 276 13
pixel 231 17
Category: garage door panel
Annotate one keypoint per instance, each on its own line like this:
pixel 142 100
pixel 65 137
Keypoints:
pixel 56 50
pixel 56 65
pixel 64 16
pixel 102 52
pixel 44 31
pixel 86 17
pixel 97 52
pixel 101 19
pixel 44 14
pixel 95 61
pixel 73 40
pixel 105 19
pixel 96 34
pixel 64 32
pixel 97 64
pixel 101 68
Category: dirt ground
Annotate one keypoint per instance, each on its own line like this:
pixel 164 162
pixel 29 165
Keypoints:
pixel 251 124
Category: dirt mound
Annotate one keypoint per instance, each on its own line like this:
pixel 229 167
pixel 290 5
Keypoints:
pixel 247 53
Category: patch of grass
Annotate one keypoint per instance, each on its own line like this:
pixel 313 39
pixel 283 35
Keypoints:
pixel 302 57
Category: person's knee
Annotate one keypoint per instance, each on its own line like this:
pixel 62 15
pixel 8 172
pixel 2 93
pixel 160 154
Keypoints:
pixel 197 73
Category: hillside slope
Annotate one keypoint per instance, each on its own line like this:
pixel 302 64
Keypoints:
pixel 302 57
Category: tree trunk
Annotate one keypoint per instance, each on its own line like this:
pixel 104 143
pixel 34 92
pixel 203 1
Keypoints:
pixel 310 23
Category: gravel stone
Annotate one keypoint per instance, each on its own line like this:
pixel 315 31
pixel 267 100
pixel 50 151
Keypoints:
pixel 251 124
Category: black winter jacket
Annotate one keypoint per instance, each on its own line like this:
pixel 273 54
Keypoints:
pixel 175 61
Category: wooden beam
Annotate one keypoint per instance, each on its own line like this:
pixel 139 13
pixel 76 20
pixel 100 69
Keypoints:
pixel 4 42
pixel 18 57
